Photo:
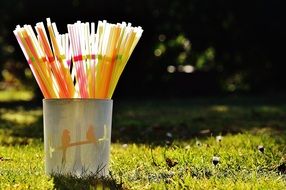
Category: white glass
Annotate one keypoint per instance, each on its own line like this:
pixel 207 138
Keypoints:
pixel 77 135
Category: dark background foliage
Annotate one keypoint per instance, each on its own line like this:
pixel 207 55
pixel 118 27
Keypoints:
pixel 189 47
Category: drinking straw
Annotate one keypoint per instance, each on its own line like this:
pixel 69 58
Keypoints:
pixel 93 40
pixel 130 40
pixel 106 60
pixel 35 60
pixel 52 62
pixel 68 88
pixel 87 54
pixel 35 73
pixel 79 54
pixel 82 63
pixel 100 36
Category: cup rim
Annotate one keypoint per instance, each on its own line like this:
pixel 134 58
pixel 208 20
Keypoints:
pixel 75 99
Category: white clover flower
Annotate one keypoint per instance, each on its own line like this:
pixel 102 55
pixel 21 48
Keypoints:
pixel 219 138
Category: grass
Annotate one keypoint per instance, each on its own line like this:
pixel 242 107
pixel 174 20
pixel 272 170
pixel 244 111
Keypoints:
pixel 12 95
pixel 161 144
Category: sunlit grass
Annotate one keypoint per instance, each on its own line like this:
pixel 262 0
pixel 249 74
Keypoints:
pixel 21 116
pixel 15 95
pixel 22 168
pixel 241 164
pixel 220 108
pixel 141 158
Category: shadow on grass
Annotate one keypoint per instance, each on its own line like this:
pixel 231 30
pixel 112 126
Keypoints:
pixel 152 122
pixel 20 123
pixel 149 121
pixel 88 182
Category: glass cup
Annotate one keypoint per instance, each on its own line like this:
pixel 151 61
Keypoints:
pixel 77 135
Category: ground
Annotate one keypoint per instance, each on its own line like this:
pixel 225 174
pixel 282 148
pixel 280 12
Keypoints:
pixel 161 144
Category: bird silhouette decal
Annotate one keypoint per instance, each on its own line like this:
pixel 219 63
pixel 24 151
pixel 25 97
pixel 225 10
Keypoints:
pixel 66 141
pixel 90 135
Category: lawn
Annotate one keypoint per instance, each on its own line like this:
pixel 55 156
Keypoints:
pixel 161 144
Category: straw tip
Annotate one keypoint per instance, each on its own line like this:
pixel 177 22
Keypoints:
pixel 48 21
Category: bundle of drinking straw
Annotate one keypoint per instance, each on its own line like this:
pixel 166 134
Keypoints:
pixel 83 63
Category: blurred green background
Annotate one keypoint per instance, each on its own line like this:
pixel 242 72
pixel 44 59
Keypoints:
pixel 188 48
